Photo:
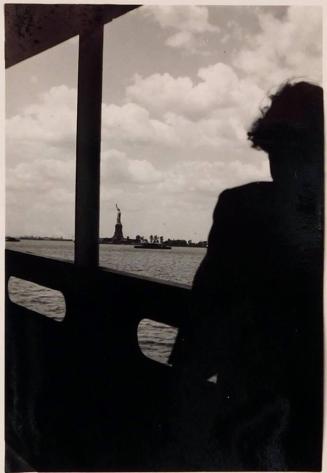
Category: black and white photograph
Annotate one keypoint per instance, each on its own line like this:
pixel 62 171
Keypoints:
pixel 164 251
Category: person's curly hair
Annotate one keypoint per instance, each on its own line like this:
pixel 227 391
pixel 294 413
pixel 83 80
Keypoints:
pixel 294 120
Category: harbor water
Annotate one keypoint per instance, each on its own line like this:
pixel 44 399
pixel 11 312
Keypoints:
pixel 177 265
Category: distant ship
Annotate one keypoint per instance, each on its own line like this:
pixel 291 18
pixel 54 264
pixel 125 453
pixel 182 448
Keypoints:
pixel 153 246
pixel 9 238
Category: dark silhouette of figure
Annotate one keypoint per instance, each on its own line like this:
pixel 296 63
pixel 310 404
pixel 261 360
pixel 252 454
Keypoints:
pixel 256 314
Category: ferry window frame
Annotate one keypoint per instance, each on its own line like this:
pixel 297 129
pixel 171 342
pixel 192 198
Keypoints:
pixel 31 29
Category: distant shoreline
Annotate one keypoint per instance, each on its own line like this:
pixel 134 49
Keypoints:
pixel 9 238
pixel 106 241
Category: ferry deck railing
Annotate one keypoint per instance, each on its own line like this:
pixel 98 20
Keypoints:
pixel 80 394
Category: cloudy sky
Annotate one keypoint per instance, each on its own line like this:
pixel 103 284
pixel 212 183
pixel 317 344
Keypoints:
pixel 181 87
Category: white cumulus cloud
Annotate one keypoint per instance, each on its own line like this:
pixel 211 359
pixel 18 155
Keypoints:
pixel 51 119
pixel 116 169
pixel 132 122
pixel 218 86
pixel 285 48
pixel 185 24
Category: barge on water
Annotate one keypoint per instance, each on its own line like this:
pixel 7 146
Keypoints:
pixel 153 246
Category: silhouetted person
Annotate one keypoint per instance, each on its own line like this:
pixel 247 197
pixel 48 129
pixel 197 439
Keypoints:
pixel 256 317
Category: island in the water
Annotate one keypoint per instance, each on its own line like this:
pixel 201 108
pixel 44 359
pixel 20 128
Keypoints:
pixel 153 242
pixel 35 237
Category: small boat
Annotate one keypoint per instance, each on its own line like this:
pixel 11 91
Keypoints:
pixel 153 246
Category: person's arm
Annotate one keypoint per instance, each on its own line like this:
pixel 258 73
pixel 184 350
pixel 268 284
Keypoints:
pixel 199 343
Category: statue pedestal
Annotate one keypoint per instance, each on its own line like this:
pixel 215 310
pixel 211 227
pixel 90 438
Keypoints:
pixel 118 235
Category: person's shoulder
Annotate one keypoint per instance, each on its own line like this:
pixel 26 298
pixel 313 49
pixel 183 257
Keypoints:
pixel 248 197
pixel 247 191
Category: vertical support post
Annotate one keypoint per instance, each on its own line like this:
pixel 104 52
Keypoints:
pixel 87 203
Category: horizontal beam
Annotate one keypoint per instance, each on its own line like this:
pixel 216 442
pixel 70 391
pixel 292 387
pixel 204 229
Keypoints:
pixel 33 28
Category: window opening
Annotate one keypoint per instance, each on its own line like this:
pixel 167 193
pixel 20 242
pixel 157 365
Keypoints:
pixel 40 299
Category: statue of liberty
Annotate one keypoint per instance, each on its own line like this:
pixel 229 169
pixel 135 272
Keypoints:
pixel 118 235
pixel 118 215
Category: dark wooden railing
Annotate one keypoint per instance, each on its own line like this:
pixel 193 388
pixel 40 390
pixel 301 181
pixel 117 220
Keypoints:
pixel 80 395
